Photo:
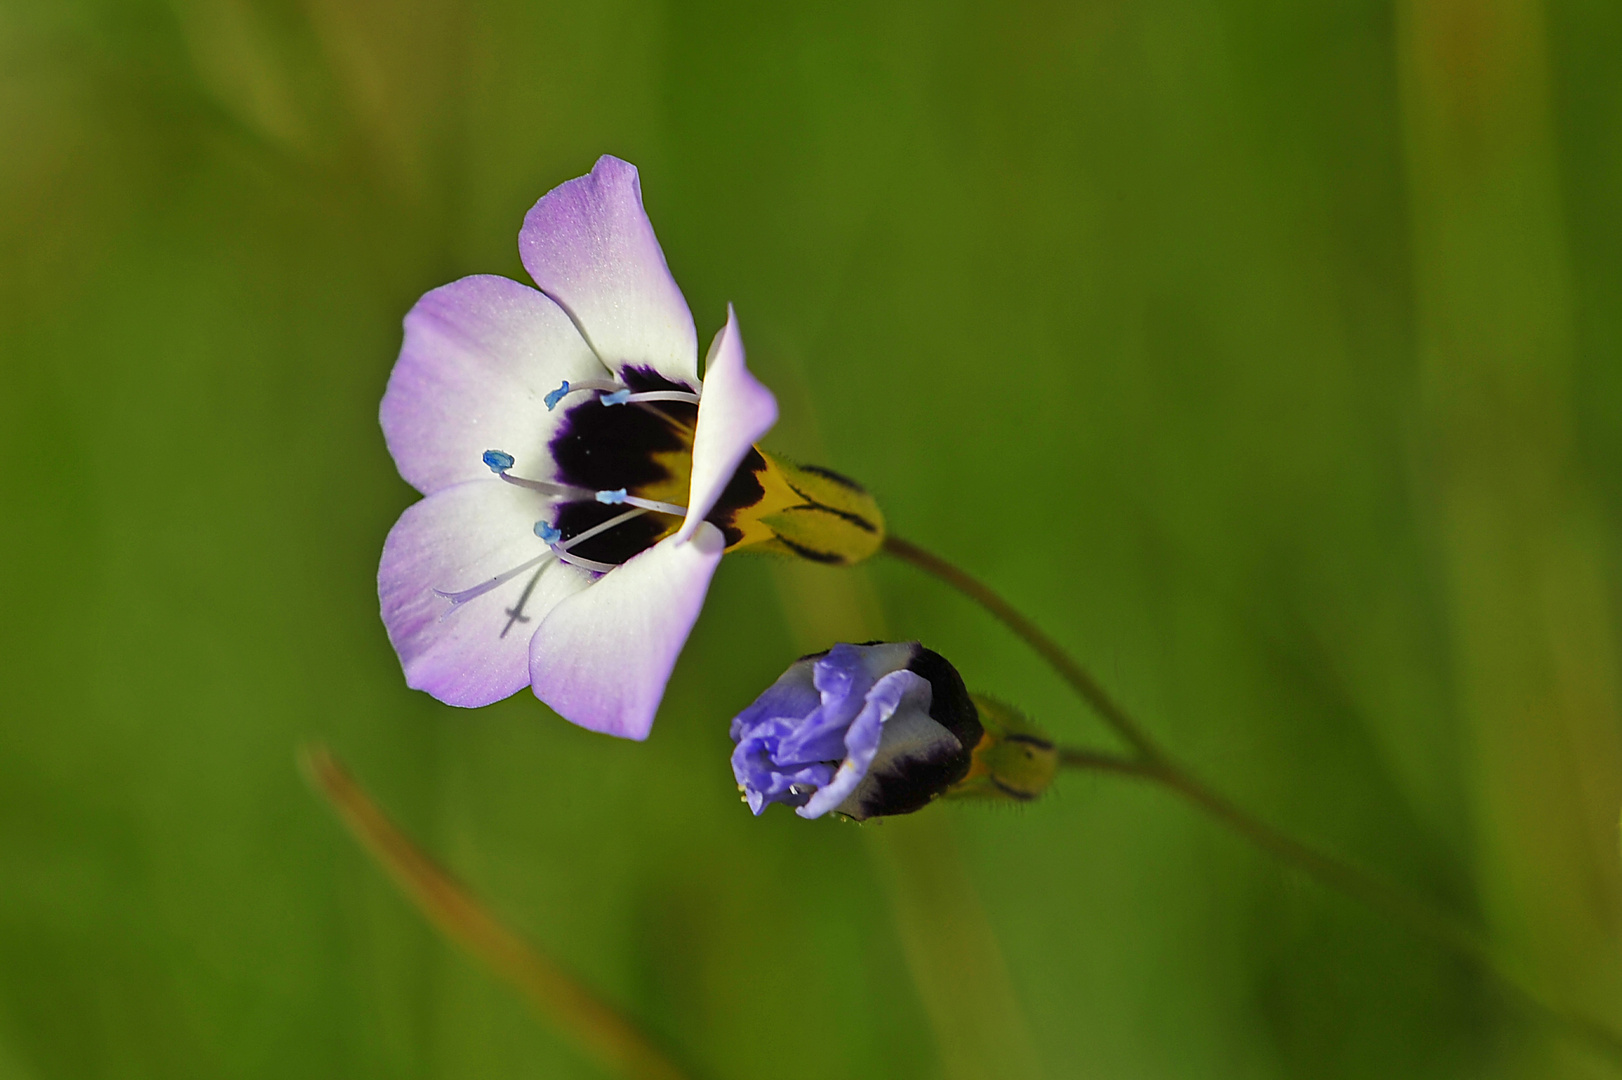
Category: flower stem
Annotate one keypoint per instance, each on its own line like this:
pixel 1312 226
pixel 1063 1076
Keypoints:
pixel 1149 762
pixel 595 1027
pixel 1070 671
pixel 1385 897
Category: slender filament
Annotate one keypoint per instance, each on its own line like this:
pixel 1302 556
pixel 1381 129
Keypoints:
pixel 457 599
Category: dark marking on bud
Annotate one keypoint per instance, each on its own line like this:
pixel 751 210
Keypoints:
pixel 1014 792
pixel 844 515
pixel 804 552
pixel 832 477
pixel 923 781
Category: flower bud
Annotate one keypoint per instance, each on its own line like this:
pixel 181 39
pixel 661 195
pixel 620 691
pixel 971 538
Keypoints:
pixel 860 730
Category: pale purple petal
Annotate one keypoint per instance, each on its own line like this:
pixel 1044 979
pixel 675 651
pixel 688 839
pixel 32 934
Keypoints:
pixel 479 358
pixel 589 245
pixel 897 690
pixel 733 412
pixel 455 539
pixel 602 658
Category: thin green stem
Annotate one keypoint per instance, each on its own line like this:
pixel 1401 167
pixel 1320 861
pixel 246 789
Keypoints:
pixel 1385 897
pixel 1389 899
pixel 1152 764
pixel 1070 671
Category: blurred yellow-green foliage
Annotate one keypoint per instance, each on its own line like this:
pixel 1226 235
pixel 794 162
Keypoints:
pixel 1268 354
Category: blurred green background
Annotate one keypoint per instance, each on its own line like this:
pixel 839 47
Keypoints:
pixel 1269 354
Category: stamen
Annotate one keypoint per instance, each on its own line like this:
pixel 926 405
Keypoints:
pixel 664 395
pixel 586 564
pixel 597 529
pixel 457 599
pixel 615 394
pixel 656 506
pixel 618 496
pixel 550 535
pixel 620 397
pixel 500 461
pixel 568 388
pixel 546 487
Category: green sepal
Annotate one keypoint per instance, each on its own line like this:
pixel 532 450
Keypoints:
pixel 1015 760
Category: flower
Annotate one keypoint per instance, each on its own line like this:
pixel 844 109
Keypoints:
pixel 581 482
pixel 862 730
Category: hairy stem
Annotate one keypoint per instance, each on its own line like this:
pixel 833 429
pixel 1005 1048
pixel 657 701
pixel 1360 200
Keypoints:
pixel 1389 899
pixel 1070 671
pixel 1385 897
pixel 595 1027
pixel 1151 763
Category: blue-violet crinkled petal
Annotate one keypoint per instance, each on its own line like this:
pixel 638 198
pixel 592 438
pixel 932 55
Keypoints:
pixel 843 676
pixel 912 740
pixel 763 780
pixel 842 683
pixel 793 695
pixel 888 695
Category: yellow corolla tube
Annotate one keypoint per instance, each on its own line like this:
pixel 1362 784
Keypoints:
pixel 800 510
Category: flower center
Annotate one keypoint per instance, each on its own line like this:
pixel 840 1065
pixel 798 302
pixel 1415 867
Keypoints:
pixel 618 447
pixel 623 461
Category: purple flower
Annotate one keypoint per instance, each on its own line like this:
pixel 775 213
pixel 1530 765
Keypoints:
pixel 578 475
pixel 862 730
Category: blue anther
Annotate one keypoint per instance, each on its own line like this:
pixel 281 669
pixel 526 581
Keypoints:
pixel 611 497
pixel 547 533
pixel 556 396
pixel 618 397
pixel 498 461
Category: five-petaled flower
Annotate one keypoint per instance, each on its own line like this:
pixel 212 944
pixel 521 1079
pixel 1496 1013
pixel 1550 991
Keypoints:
pixel 862 730
pixel 581 481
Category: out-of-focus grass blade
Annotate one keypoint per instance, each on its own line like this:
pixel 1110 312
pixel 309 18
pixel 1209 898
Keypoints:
pixel 595 1028
pixel 1534 634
